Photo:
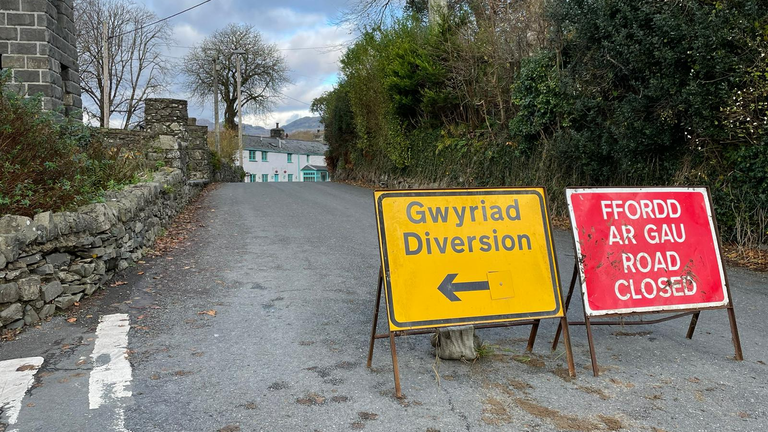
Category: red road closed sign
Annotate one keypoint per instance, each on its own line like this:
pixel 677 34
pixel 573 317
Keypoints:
pixel 646 249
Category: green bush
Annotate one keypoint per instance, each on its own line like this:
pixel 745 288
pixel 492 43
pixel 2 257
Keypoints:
pixel 48 162
pixel 617 92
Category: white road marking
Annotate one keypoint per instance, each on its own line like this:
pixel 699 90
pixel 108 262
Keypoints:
pixel 16 377
pixel 111 375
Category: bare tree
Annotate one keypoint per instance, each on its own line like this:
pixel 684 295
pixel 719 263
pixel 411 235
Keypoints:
pixel 136 69
pixel 264 71
pixel 366 14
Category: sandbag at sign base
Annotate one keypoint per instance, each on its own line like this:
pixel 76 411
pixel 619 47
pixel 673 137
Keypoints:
pixel 456 343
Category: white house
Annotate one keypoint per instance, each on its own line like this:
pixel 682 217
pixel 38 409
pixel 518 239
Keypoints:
pixel 276 159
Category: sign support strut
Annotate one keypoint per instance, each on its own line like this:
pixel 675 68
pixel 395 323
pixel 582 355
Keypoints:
pixel 738 354
pixel 563 325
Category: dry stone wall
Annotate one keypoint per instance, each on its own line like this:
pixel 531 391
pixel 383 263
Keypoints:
pixel 172 137
pixel 51 261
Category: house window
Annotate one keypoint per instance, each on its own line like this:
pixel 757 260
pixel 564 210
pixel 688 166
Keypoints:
pixel 277 177
pixel 290 177
pixel 307 158
pixel 265 178
pixel 252 155
pixel 323 176
pixel 290 157
pixel 263 156
pixel 310 176
pixel 252 178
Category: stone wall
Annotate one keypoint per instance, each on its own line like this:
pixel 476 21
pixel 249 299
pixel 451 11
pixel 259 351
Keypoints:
pixel 37 41
pixel 199 156
pixel 228 173
pixel 174 138
pixel 168 122
pixel 50 262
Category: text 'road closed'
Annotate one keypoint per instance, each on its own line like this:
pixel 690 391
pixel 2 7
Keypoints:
pixel 646 249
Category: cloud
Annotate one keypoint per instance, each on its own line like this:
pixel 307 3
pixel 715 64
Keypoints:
pixel 297 27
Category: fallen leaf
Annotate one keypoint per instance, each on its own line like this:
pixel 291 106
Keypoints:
pixel 89 316
pixel 211 312
pixel 140 317
pixel 141 327
pixel 26 367
pixel 142 262
pixel 118 283
pixel 140 273
pixel 71 320
pixel 31 404
pixel 77 303
pixel 187 267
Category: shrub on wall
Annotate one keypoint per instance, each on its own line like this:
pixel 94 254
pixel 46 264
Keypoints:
pixel 48 162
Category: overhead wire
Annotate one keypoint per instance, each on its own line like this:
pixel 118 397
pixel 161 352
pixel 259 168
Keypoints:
pixel 160 20
pixel 337 46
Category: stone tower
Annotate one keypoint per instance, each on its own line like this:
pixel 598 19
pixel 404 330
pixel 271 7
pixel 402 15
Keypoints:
pixel 37 42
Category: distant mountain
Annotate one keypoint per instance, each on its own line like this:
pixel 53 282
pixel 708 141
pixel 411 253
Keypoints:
pixel 248 130
pixel 304 123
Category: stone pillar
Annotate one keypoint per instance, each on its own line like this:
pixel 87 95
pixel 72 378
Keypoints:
pixel 37 42
pixel 199 154
pixel 168 119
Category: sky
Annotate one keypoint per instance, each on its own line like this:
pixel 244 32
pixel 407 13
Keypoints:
pixel 297 27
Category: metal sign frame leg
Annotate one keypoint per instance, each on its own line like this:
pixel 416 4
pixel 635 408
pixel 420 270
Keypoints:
pixel 692 325
pixel 532 336
pixel 375 317
pixel 738 355
pixel 392 345
pixel 590 340
pixel 568 349
pixel 395 368
pixel 563 327
pixel 567 304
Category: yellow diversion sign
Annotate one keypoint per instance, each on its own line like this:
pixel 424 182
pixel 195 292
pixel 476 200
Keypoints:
pixel 466 256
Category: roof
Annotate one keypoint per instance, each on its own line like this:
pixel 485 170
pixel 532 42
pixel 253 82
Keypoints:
pixel 251 142
pixel 315 168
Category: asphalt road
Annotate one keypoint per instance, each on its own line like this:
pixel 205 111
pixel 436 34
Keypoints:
pixel 259 321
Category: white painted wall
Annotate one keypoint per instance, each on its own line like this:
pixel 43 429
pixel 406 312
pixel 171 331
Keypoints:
pixel 277 163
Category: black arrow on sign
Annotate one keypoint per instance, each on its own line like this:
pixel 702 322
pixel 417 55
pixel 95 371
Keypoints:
pixel 448 288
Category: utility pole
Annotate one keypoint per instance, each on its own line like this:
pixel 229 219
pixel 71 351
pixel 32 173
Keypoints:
pixel 105 77
pixel 216 103
pixel 239 106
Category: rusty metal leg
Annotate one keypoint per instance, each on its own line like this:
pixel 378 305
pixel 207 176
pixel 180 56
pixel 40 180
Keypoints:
pixel 567 303
pixel 692 326
pixel 735 334
pixel 532 336
pixel 568 350
pixel 375 318
pixel 395 368
pixel 592 356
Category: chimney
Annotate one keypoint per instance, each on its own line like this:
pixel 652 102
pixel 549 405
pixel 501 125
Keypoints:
pixel 277 132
